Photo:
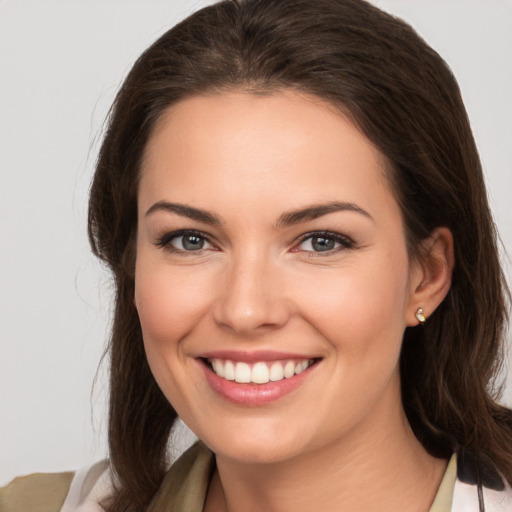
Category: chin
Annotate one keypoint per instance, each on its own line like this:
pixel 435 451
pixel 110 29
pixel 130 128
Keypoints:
pixel 257 454
pixel 254 446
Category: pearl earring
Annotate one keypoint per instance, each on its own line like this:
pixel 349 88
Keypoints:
pixel 420 316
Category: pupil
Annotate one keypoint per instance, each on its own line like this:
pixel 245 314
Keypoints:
pixel 193 242
pixel 321 243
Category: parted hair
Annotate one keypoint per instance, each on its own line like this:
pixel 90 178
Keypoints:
pixel 398 91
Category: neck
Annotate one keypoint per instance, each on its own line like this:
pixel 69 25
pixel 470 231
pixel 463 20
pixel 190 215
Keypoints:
pixel 382 470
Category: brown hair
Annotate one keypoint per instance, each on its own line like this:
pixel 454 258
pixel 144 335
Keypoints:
pixel 403 96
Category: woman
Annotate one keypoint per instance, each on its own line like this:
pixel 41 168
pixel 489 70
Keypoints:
pixel 292 205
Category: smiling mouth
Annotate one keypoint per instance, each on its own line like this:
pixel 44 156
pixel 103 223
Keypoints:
pixel 260 372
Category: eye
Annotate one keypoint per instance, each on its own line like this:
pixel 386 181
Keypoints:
pixel 323 242
pixel 184 241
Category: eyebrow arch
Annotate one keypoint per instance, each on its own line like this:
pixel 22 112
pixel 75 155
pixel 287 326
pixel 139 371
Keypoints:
pixel 316 211
pixel 186 211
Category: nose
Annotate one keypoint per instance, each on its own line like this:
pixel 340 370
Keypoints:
pixel 252 298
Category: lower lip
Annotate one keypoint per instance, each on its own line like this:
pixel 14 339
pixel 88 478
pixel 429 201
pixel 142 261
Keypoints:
pixel 253 394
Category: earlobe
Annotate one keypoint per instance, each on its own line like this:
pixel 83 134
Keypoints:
pixel 420 316
pixel 431 277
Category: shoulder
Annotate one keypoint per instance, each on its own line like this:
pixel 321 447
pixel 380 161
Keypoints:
pixel 90 486
pixel 58 492
pixel 41 492
pixel 466 498
pixel 494 493
pixel 184 486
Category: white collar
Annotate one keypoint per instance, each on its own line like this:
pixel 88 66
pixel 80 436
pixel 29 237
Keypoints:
pixel 465 499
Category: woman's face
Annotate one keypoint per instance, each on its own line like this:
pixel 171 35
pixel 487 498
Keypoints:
pixel 270 249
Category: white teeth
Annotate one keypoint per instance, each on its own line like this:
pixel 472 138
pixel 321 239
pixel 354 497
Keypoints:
pixel 289 369
pixel 260 372
pixel 218 367
pixel 229 371
pixel 300 367
pixel 276 372
pixel 242 373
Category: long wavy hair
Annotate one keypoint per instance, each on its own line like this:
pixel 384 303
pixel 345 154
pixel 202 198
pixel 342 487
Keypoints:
pixel 399 92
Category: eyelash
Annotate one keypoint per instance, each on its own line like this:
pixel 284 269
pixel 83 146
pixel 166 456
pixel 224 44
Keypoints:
pixel 164 241
pixel 344 242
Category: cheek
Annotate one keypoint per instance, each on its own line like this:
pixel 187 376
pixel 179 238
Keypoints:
pixel 361 308
pixel 360 314
pixel 169 305
pixel 168 301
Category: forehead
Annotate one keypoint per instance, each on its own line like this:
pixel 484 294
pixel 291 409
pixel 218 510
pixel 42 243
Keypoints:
pixel 249 146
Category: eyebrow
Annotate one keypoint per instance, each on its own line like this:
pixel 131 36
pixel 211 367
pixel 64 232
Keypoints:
pixel 186 211
pixel 286 219
pixel 316 211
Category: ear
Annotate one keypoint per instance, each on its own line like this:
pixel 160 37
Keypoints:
pixel 431 275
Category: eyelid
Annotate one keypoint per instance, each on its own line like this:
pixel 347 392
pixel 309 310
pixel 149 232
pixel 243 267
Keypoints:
pixel 164 241
pixel 344 241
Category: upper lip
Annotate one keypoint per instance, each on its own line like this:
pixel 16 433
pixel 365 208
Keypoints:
pixel 252 356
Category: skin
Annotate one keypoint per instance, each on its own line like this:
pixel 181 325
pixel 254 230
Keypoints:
pixel 340 441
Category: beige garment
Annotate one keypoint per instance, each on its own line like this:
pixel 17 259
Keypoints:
pixel 40 492
pixel 183 489
pixel 186 483
pixel 444 497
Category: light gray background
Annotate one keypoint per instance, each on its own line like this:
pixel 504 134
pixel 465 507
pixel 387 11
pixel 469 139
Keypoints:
pixel 61 62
